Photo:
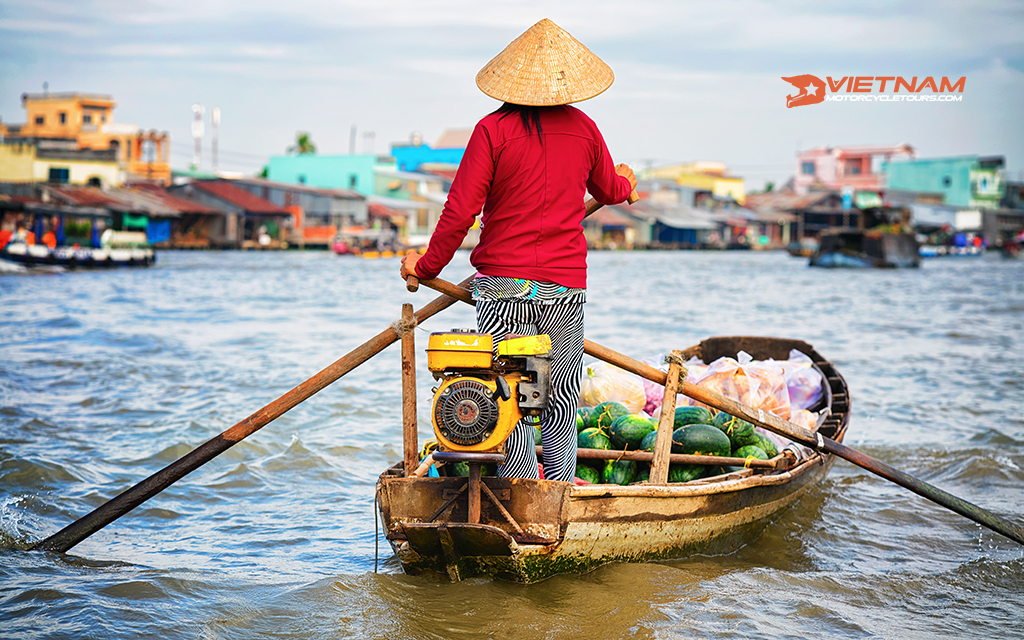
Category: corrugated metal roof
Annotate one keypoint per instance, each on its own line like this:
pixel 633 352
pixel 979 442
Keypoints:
pixel 305 188
pixel 669 214
pixel 399 203
pixel 405 175
pixel 182 205
pixel 785 200
pixel 238 197
pixel 83 196
pixel 454 139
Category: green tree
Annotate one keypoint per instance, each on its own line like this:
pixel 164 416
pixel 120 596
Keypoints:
pixel 303 145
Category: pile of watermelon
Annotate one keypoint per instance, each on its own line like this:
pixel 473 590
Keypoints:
pixel 696 431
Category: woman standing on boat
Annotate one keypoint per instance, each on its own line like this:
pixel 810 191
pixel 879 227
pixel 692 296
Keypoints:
pixel 527 167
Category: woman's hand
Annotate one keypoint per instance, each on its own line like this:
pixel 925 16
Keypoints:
pixel 624 170
pixel 409 265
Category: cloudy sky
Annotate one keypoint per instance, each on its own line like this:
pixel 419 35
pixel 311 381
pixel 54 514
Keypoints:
pixel 693 80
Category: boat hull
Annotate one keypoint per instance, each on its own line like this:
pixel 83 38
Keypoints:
pixel 544 528
pixel 80 257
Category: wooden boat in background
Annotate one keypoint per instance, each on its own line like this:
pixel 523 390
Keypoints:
pixel 530 530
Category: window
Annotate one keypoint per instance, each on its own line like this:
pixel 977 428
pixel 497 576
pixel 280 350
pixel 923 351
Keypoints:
pixel 103 118
pixel 853 167
pixel 94 181
pixel 807 168
pixel 353 180
pixel 87 118
pixel 59 175
pixel 63 117
pixel 302 179
pixel 128 150
pixel 947 181
pixel 40 119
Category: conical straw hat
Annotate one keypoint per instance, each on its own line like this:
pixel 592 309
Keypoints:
pixel 544 67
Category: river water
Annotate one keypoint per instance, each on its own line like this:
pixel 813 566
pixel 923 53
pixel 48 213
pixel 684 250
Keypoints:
pixel 106 377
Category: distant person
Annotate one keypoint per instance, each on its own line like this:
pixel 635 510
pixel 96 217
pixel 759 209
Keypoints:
pixel 527 167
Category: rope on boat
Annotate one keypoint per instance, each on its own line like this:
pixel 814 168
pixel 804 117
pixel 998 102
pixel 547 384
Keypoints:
pixel 403 326
pixel 671 359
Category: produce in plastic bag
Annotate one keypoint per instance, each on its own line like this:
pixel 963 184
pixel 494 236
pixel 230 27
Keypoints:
pixel 802 380
pixel 759 385
pixel 603 382
pixel 655 392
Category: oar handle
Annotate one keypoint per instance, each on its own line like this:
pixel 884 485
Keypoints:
pixel 412 283
pixel 592 205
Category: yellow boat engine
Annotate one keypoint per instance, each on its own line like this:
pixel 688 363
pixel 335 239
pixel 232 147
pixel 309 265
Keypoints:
pixel 483 391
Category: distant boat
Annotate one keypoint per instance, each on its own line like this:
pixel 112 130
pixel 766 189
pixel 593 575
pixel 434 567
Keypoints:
pixel 942 251
pixel 852 248
pixel 117 249
pixel 803 249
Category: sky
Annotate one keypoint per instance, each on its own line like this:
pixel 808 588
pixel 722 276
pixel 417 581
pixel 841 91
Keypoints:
pixel 693 80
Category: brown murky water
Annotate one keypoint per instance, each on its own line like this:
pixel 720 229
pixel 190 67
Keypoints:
pixel 107 377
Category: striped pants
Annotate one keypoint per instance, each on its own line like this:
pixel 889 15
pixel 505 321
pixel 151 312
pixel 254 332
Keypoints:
pixel 564 323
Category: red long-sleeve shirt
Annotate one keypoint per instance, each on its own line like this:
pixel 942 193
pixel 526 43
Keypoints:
pixel 531 195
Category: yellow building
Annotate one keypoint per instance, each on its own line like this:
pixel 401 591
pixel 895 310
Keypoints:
pixel 88 120
pixel 704 176
pixel 57 161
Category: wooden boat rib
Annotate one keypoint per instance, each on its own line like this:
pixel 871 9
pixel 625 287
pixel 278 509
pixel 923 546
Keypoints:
pixel 530 530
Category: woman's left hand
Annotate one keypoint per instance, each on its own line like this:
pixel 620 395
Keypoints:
pixel 409 265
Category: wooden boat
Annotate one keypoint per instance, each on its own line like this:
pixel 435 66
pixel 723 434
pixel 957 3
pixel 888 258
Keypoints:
pixel 118 249
pixel 529 530
pixel 852 248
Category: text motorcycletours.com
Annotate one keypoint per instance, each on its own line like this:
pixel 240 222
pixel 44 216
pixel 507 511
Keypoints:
pixel 873 89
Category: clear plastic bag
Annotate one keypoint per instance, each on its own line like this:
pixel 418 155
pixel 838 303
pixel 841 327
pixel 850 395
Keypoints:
pixel 603 382
pixel 802 380
pixel 759 385
pixel 695 368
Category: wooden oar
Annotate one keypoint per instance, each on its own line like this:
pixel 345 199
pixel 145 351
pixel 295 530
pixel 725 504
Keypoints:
pixel 782 427
pixel 116 507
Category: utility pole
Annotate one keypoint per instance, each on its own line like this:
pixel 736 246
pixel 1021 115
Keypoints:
pixel 352 142
pixel 197 134
pixel 214 126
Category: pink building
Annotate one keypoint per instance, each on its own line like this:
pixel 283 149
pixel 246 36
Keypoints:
pixel 838 167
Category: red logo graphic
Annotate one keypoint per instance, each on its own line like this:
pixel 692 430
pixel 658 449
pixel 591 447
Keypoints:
pixel 812 91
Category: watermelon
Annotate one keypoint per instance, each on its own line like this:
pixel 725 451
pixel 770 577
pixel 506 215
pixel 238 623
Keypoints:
pixel 647 444
pixel 691 415
pixel 750 451
pixel 587 473
pixel 605 413
pixel 593 438
pixel 643 472
pixel 583 418
pixel 619 472
pixel 740 432
pixel 685 472
pixel 627 432
pixel 461 469
pixel 767 444
pixel 701 440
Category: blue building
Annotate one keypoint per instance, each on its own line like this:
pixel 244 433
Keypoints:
pixel 353 172
pixel 447 150
pixel 966 181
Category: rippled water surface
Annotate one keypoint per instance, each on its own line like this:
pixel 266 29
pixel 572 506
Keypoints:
pixel 106 377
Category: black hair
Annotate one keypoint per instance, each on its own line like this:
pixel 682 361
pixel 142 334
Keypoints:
pixel 529 115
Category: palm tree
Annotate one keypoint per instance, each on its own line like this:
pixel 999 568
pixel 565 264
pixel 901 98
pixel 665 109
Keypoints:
pixel 303 145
